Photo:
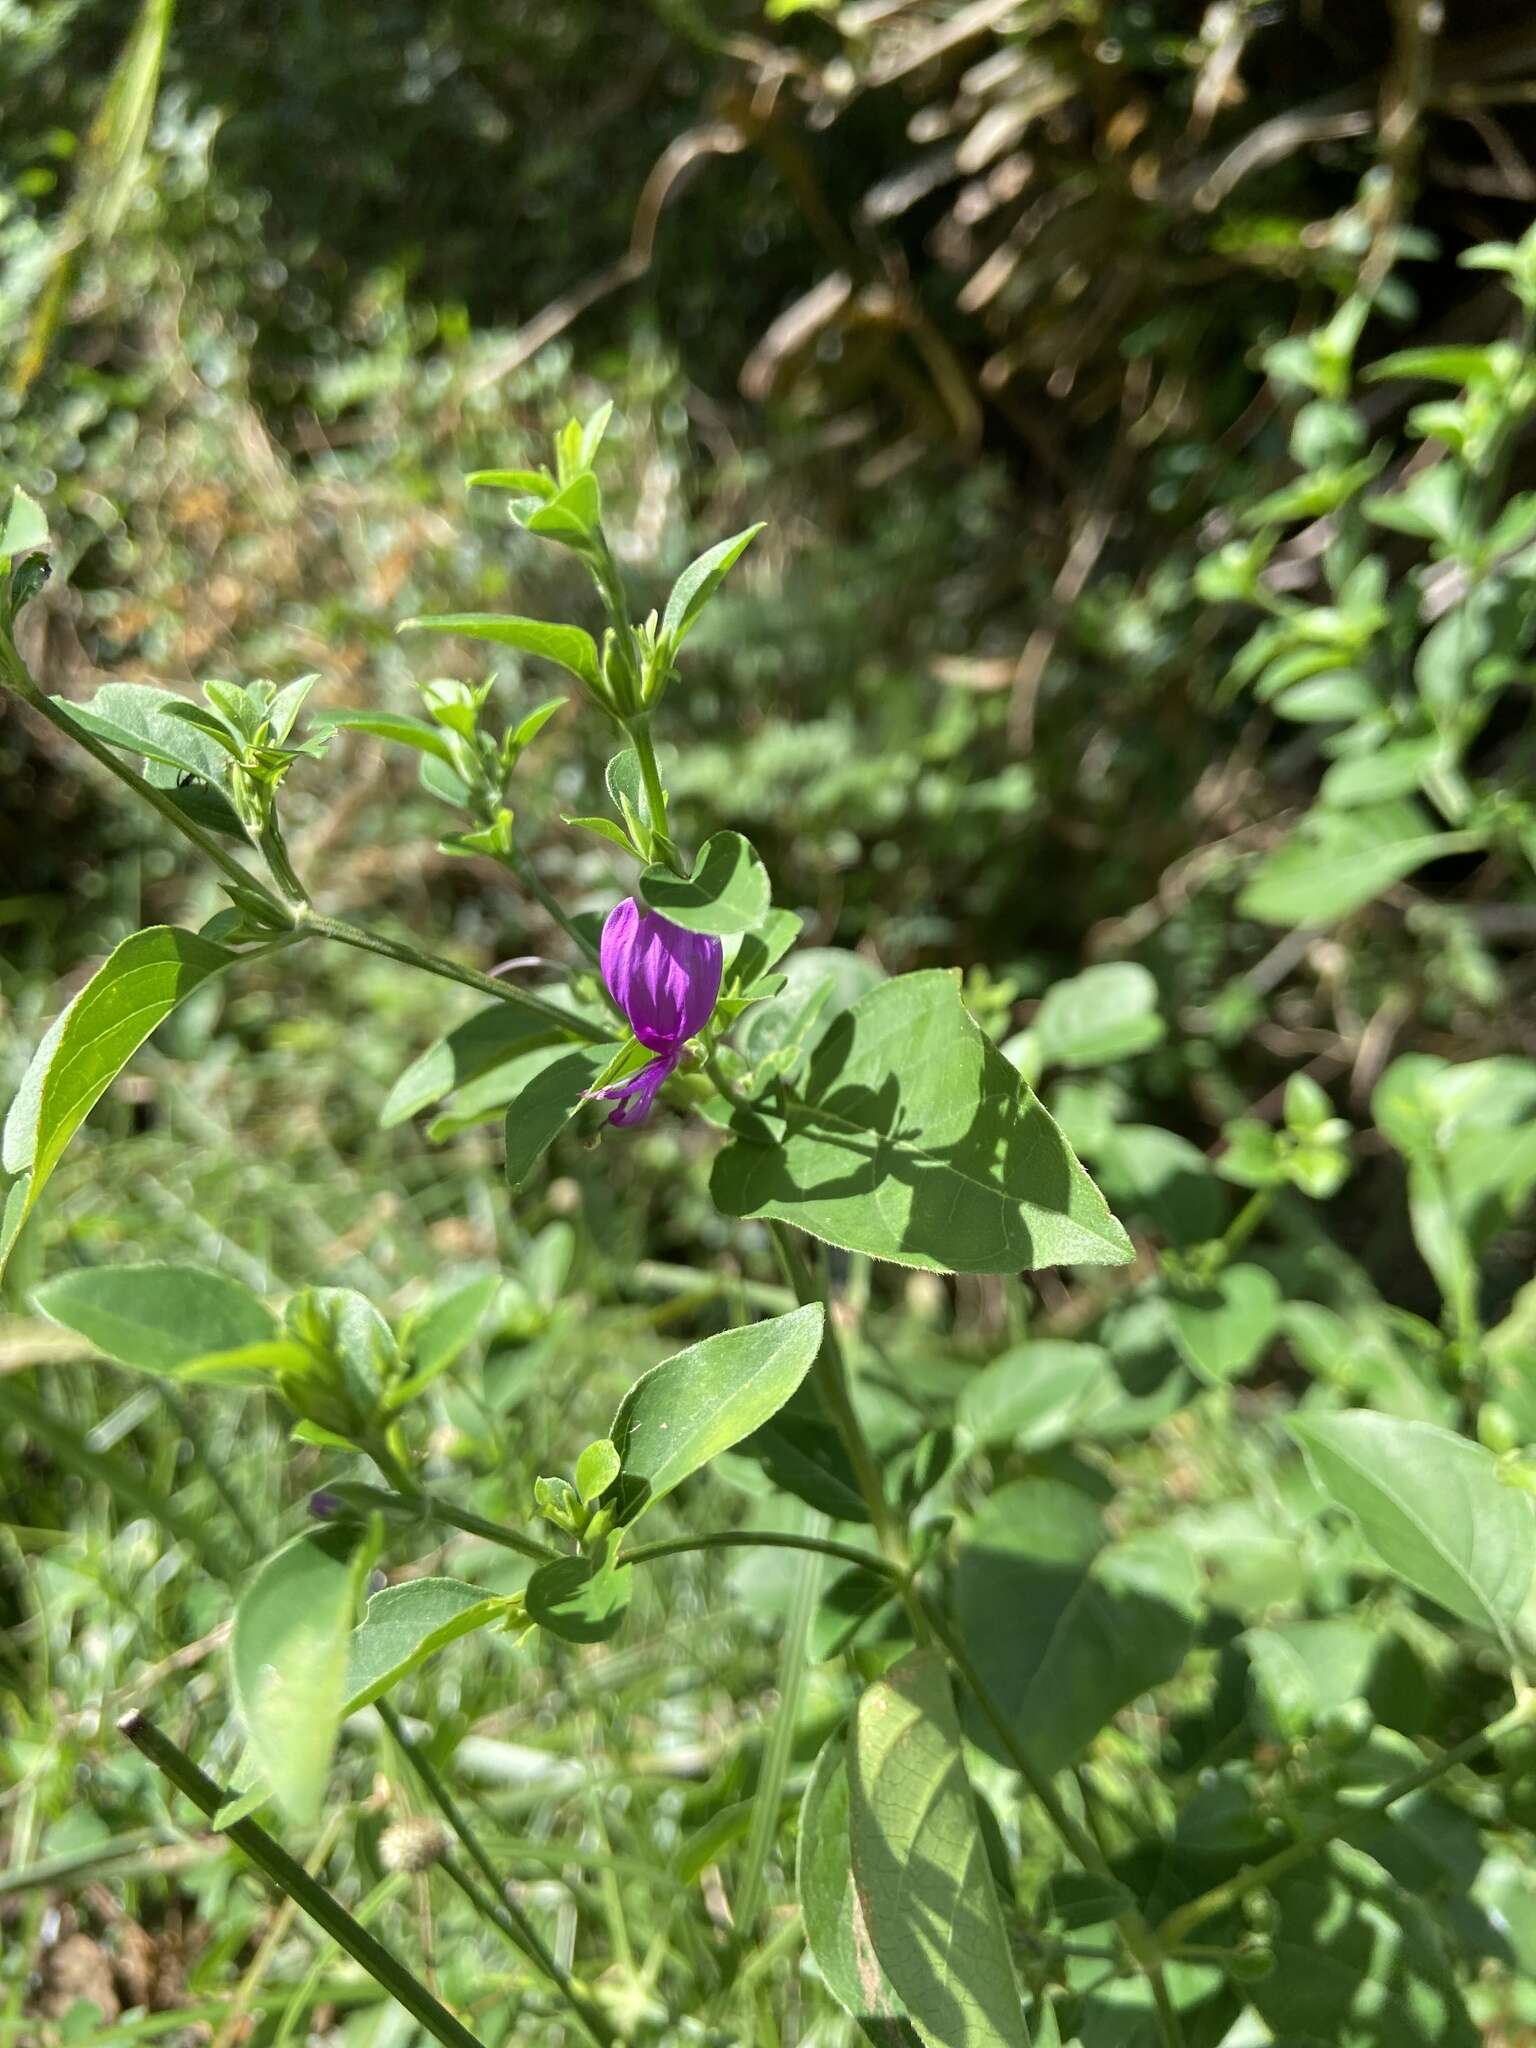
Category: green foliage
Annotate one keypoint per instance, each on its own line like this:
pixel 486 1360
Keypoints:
pixel 1246 907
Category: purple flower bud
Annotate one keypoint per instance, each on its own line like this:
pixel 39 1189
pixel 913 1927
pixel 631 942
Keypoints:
pixel 667 982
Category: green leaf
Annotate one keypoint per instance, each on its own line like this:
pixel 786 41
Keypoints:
pixel 848 1604
pixel 488 1040
pixel 26 526
pixel 1338 861
pixel 1105 1013
pixel 727 892
pixel 531 483
pixel 135 988
pixel 405 1625
pixel 443 1329
pixel 699 582
pixel 1430 1505
pixel 156 1318
pixel 1064 1628
pixel 605 828
pixel 568 646
pixel 596 1470
pixel 581 1599
pixel 916 1141
pixel 1359 1963
pixel 830 1907
pixel 399 726
pixel 920 1863
pixel 573 515
pixel 1395 770
pixel 142 720
pixel 688 1409
pixel 546 1088
pixel 288 1661
pixel 1037 1395
pixel 1226 1328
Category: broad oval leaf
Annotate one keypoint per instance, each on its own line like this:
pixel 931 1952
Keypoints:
pixel 1036 1395
pixel 727 892
pixel 1338 861
pixel 136 988
pixel 581 1599
pixel 920 1863
pixel 832 1911
pixel 1430 1505
pixel 1226 1328
pixel 568 646
pixel 1359 1962
pixel 691 1407
pixel 145 720
pixel 491 1038
pixel 405 1625
pixel 916 1141
pixel 288 1659
pixel 1105 1013
pixel 156 1318
pixel 546 1088
pixel 1064 1628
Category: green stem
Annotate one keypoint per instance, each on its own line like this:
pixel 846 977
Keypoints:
pixel 639 730
pixel 449 970
pixel 472 1524
pixel 831 1373
pixel 768 1539
pixel 290 1878
pixel 1185 1919
pixel 508 1918
pixel 522 870
pixel 14 671
pixel 1246 1221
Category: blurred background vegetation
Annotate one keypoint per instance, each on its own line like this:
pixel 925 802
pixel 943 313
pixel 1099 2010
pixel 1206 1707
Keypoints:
pixel 967 301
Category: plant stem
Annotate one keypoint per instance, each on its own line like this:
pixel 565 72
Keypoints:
pixel 522 869
pixel 639 730
pixel 768 1539
pixel 449 970
pixel 1246 1221
pixel 16 673
pixel 508 1918
pixel 472 1524
pixel 832 1381
pixel 290 1878
pixel 1186 1918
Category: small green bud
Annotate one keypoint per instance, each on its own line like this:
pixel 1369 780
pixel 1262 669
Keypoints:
pixel 1260 1911
pixel 1345 1728
pixel 1497 1429
pixel 1251 1961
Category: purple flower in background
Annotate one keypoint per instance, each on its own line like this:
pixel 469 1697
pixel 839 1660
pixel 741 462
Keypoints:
pixel 666 981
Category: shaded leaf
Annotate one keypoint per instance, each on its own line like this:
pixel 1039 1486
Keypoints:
pixel 916 1141
pixel 691 1407
pixel 727 892
pixel 405 1625
pixel 920 1863
pixel 156 1318
pixel 1064 1628
pixel 288 1660
pixel 1430 1505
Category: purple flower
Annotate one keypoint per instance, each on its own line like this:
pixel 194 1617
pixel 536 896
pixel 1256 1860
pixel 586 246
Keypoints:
pixel 666 981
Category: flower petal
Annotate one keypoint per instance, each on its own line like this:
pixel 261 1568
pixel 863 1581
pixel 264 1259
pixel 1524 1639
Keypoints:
pixel 637 1095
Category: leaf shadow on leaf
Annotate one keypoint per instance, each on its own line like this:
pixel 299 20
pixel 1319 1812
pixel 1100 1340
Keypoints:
pixel 1359 1962
pixel 882 1146
pixel 1066 1629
